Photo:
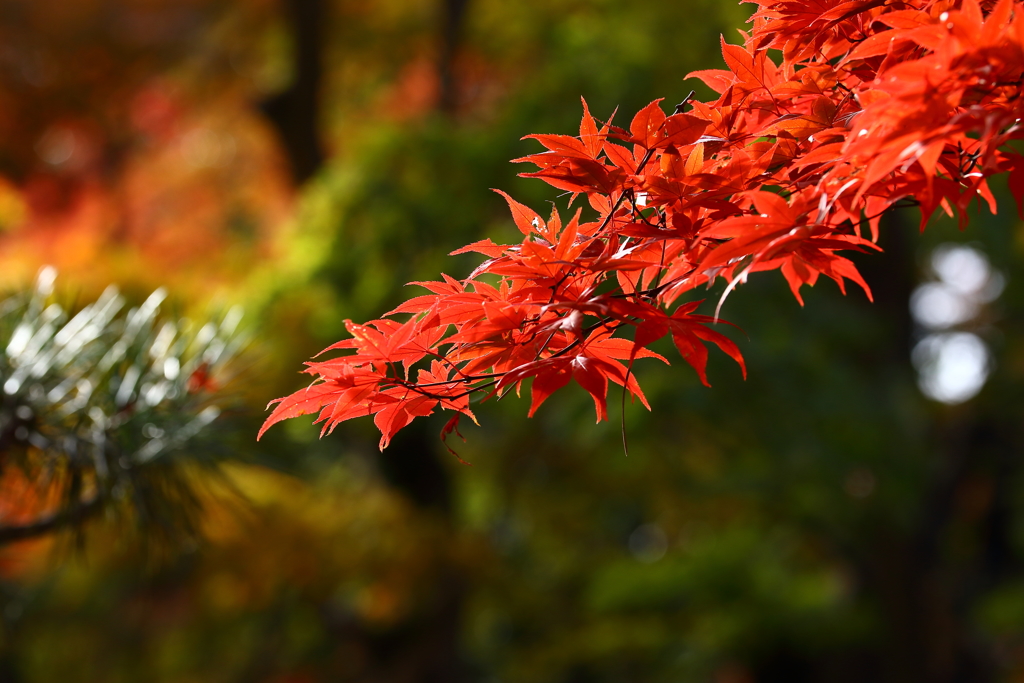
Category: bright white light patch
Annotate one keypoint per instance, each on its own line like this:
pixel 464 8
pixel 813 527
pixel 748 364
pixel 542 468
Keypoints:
pixel 966 281
pixel 937 305
pixel 952 367
pixel 961 267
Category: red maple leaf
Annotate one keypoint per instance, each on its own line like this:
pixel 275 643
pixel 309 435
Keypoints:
pixel 872 103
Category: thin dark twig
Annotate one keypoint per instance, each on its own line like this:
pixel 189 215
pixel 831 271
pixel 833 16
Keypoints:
pixel 49 523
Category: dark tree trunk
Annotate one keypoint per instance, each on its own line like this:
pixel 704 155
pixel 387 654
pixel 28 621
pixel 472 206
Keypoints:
pixel 453 18
pixel 427 650
pixel 925 595
pixel 294 111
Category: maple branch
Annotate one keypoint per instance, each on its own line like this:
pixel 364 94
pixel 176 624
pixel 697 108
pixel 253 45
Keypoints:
pixel 748 197
pixel 622 195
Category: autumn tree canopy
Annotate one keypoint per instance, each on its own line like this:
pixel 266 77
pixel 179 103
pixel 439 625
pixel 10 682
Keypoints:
pixel 828 115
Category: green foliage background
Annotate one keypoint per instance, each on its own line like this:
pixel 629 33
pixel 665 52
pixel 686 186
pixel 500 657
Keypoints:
pixel 738 540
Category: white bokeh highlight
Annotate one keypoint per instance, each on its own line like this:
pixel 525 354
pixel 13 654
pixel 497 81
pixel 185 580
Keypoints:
pixel 953 365
pixel 937 306
pixel 964 269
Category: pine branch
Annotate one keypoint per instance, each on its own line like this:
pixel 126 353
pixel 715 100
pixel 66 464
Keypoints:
pixel 71 516
pixel 114 400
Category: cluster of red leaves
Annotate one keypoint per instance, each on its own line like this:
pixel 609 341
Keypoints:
pixel 874 102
